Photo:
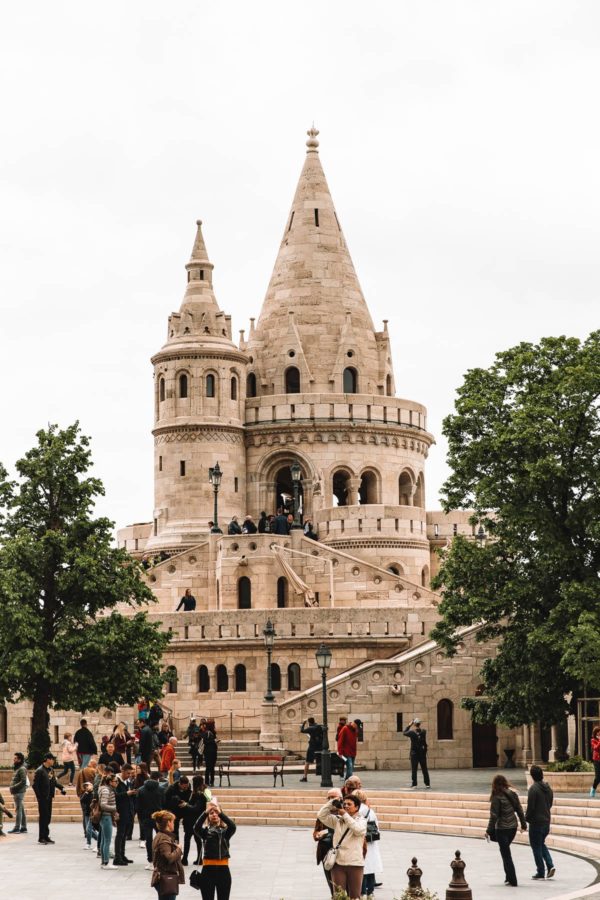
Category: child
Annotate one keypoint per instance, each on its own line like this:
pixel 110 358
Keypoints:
pixel 86 802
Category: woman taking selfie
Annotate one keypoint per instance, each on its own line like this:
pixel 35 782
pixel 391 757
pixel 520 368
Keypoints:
pixel 168 872
pixel 215 830
pixel 349 830
pixel 505 809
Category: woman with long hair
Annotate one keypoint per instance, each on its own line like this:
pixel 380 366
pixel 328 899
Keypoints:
pixel 107 800
pixel 191 810
pixel 215 830
pixel 168 872
pixel 595 742
pixel 505 810
pixel 349 830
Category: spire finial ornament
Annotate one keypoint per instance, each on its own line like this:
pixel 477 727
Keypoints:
pixel 312 142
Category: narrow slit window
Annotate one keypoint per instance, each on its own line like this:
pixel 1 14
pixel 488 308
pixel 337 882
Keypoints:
pixel 291 220
pixel 201 274
pixel 337 221
pixel 317 217
pixel 182 467
pixel 160 463
pixel 210 385
pixel 235 485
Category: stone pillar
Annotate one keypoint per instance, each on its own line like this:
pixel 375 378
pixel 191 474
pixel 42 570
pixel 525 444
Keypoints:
pixel 414 879
pixel 536 742
pixel 458 889
pixel 270 732
pixel 526 746
pixel 353 489
pixel 552 756
pixel 572 734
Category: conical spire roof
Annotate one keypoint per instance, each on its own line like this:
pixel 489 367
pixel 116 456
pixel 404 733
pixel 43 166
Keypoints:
pixel 314 299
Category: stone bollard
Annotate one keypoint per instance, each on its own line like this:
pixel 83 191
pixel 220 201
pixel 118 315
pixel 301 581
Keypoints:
pixel 414 879
pixel 458 888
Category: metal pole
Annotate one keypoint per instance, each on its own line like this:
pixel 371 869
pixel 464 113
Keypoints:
pixel 230 726
pixel 215 529
pixel 269 695
pixel 297 523
pixel 325 753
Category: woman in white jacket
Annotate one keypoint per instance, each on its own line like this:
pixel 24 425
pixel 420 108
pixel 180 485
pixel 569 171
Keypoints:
pixel 373 863
pixel 349 829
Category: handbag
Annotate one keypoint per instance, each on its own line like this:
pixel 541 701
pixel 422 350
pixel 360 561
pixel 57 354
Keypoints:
pixel 330 857
pixel 373 833
pixel 196 879
pixel 95 812
pixel 164 882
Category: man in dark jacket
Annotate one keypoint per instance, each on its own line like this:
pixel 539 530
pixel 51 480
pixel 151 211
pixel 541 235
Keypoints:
pixel 86 745
pixel 315 742
pixel 44 788
pixel 149 800
pixel 418 751
pixel 279 524
pixel 18 786
pixel 539 804
pixel 124 793
pixel 146 746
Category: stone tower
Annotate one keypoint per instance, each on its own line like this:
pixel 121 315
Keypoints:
pixel 321 393
pixel 199 392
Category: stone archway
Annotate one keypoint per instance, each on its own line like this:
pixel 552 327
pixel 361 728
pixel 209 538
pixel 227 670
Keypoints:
pixel 274 478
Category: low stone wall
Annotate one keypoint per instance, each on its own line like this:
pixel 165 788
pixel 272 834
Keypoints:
pixel 566 782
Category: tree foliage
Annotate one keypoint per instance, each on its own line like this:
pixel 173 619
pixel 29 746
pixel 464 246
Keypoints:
pixel 63 642
pixel 524 449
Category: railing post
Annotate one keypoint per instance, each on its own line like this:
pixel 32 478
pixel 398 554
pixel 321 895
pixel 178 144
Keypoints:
pixel 458 889
pixel 414 879
pixel 230 726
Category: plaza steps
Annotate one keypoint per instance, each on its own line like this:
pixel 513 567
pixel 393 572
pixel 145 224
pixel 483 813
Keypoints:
pixel 575 825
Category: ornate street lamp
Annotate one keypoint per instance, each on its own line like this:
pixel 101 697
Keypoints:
pixel 269 635
pixel 323 656
pixel 296 478
pixel 214 476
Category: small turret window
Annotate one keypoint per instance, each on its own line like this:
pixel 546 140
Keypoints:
pixel 161 389
pixel 251 385
pixel 292 380
pixel 183 386
pixel 388 385
pixel 350 380
pixel 201 274
pixel 291 220
pixel 210 385
pixel 317 217
pixel 234 388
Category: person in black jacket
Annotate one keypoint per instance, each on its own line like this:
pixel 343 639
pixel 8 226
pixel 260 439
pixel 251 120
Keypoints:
pixel 44 788
pixel 178 794
pixel 149 800
pixel 124 793
pixel 146 745
pixel 418 751
pixel 215 830
pixel 208 742
pixel 86 745
pixel 539 804
pixel 505 814
pixel 189 811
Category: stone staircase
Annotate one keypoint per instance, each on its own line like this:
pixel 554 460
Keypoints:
pixel 575 825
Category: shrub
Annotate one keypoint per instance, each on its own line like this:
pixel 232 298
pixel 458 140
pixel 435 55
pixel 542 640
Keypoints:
pixel 573 764
pixel 423 894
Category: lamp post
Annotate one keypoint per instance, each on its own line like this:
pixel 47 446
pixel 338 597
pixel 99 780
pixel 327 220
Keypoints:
pixel 269 635
pixel 323 656
pixel 214 476
pixel 296 476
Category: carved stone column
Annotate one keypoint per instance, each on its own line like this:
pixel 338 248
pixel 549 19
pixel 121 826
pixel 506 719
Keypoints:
pixel 353 485
pixel 526 746
pixel 270 731
pixel 552 756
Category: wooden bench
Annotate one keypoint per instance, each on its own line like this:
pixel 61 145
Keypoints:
pixel 249 766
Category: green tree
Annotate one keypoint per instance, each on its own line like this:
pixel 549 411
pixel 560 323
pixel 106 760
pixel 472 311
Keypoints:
pixel 63 645
pixel 524 448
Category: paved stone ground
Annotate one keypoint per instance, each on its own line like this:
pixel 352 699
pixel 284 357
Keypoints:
pixel 273 864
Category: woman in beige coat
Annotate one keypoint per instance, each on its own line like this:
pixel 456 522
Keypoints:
pixel 349 829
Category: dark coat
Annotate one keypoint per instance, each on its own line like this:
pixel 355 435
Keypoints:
pixel 280 525
pixel 503 809
pixel 215 839
pixel 125 806
pixel 418 741
pixel 41 784
pixel 539 804
pixel 174 796
pixel 149 799
pixel 86 745
pixel 146 745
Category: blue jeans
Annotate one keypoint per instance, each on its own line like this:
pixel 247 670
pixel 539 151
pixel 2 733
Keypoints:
pixel 537 842
pixel 70 768
pixel 90 832
pixel 20 817
pixel 349 766
pixel 106 830
pixel 85 760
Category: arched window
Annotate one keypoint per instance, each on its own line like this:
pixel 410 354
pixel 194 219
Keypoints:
pixel 419 497
pixel 244 593
pixel 394 569
pixel 350 380
pixel 425 576
pixel 275 677
pixel 292 380
pixel 388 385
pixel 233 387
pixel 293 677
pixel 445 714
pixel 210 385
pixel 3 725
pixel 240 677
pixel 203 680
pixel 405 489
pixel 339 487
pixel 367 492
pixel 251 385
pixel 282 592
pixel 183 386
pixel 172 682
pixel 161 389
pixel 222 679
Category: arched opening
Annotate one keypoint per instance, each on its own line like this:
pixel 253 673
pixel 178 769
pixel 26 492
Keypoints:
pixel 222 679
pixel 3 725
pixel 282 592
pixel 240 677
pixel 419 498
pixel 251 385
pixel 183 386
pixel 292 380
pixel 405 489
pixel 394 569
pixel 293 677
pixel 233 387
pixel 244 593
pixel 203 680
pixel 172 682
pixel 340 487
pixel 445 724
pixel 210 386
pixel 425 576
pixel 388 385
pixel 284 491
pixel 275 677
pixel 367 493
pixel 161 389
pixel 350 380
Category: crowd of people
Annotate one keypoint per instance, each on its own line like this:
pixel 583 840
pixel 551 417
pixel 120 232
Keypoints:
pixel 280 523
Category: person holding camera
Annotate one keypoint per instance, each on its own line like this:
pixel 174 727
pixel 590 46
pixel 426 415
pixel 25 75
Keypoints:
pixel 323 837
pixel 214 829
pixel 349 831
pixel 315 742
pixel 418 751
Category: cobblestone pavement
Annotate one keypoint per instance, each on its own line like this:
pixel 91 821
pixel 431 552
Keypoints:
pixel 270 864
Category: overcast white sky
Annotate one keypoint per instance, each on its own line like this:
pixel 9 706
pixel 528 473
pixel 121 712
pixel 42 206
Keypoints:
pixel 461 145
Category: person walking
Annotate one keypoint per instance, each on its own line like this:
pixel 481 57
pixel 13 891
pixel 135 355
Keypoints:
pixel 83 777
pixel 191 803
pixel 214 830
pixel 69 755
pixel 505 810
pixel 418 752
pixel 324 836
pixel 168 871
pixel 201 796
pixel 149 800
pixel 188 602
pixel 44 788
pixel 539 804
pixel 108 809
pixel 168 754
pixel 86 745
pixel 18 786
pixel 315 742
pixel 4 811
pixel 349 830
pixel 347 743
pixel 595 743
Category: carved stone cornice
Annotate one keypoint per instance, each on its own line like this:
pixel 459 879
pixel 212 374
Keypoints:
pixel 178 354
pixel 168 434
pixel 406 437
pixel 356 543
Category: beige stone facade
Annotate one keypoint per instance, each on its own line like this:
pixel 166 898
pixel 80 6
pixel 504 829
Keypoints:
pixel 313 386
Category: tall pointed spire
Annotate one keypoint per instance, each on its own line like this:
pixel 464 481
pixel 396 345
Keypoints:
pixel 314 277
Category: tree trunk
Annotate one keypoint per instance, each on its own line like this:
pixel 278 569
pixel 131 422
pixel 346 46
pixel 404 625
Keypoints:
pixel 40 718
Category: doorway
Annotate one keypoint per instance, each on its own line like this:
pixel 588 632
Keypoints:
pixel 284 491
pixel 485 745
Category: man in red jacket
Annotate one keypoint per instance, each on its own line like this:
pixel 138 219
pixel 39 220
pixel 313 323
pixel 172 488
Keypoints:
pixel 346 745
pixel 168 755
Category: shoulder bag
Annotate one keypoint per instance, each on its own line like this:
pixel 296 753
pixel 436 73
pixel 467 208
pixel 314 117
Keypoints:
pixel 373 833
pixel 331 855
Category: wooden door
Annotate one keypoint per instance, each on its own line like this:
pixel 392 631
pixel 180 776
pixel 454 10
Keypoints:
pixel 485 749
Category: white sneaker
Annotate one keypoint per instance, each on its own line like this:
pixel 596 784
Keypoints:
pixel 148 866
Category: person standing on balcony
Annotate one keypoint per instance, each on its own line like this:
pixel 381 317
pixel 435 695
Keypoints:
pixel 418 751
pixel 188 601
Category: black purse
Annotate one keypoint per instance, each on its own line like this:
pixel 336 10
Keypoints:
pixel 196 879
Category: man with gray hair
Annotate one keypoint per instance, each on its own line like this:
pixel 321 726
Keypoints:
pixel 324 836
